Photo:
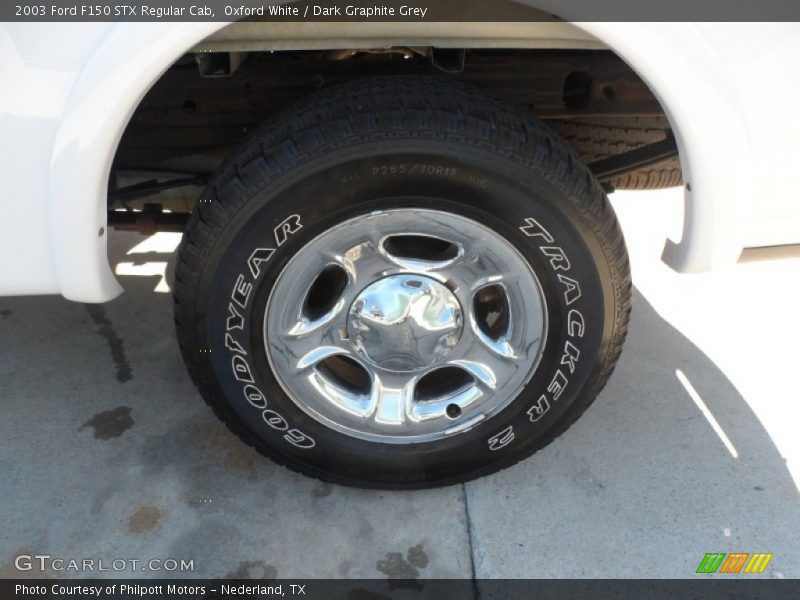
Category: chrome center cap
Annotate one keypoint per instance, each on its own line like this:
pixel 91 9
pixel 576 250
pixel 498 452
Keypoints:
pixel 405 322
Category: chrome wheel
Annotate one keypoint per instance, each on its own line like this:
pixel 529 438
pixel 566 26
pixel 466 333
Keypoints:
pixel 405 325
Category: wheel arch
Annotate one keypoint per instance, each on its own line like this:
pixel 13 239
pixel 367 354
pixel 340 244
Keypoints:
pixel 127 62
pixel 689 78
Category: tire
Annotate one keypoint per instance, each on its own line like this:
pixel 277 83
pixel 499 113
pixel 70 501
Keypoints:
pixel 401 155
pixel 594 142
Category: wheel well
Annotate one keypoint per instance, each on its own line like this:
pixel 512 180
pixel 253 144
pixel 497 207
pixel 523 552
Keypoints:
pixel 207 101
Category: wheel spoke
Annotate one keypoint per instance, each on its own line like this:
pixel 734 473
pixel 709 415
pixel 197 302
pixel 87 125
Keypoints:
pixel 488 361
pixel 466 284
pixel 304 327
pixel 482 372
pixel 357 405
pixel 391 398
pixel 308 343
pixel 364 263
pixel 315 356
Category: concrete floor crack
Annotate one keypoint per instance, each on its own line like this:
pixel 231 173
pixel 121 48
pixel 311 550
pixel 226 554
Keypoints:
pixel 475 590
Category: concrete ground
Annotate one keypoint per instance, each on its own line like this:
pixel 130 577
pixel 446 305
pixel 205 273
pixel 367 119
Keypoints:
pixel 107 451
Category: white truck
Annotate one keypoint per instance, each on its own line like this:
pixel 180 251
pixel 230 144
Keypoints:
pixel 399 265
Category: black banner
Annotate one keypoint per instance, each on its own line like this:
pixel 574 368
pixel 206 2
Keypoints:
pixel 705 588
pixel 397 11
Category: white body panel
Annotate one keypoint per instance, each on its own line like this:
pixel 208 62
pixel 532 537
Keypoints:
pixel 69 89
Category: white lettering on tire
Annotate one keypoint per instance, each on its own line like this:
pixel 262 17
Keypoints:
pixel 502 439
pixel 532 228
pixel 576 327
pixel 539 408
pixel 235 325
